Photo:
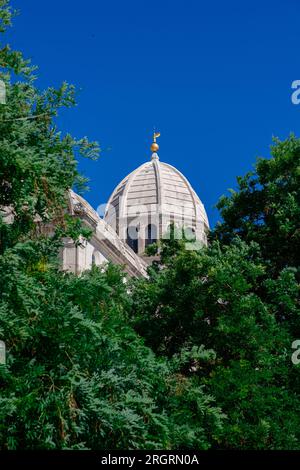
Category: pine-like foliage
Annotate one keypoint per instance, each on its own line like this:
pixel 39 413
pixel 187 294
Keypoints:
pixel 77 376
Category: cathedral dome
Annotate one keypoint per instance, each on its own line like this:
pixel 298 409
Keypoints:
pixel 149 199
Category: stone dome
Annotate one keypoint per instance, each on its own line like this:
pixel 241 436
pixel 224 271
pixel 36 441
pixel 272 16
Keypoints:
pixel 148 200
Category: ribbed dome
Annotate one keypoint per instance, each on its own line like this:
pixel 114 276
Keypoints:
pixel 151 198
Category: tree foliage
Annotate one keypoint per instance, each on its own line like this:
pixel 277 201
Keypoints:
pixel 37 164
pixel 266 206
pixel 78 376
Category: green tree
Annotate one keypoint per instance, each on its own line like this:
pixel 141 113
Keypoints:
pixel 37 163
pixel 77 376
pixel 266 206
pixel 215 312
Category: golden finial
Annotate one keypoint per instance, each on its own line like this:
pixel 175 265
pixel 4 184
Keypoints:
pixel 155 146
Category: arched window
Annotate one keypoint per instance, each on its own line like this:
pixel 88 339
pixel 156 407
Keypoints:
pixel 151 234
pixel 132 238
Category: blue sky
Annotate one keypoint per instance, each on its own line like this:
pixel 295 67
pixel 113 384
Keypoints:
pixel 214 77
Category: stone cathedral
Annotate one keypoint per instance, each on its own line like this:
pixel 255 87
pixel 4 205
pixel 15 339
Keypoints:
pixel 139 212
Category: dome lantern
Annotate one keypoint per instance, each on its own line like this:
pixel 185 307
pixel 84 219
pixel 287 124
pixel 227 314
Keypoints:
pixel 154 145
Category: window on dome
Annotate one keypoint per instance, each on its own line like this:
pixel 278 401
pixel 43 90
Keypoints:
pixel 132 238
pixel 151 234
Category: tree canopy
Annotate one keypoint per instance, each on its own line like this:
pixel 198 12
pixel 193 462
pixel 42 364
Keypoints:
pixel 266 206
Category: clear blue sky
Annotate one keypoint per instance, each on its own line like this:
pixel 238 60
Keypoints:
pixel 214 77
